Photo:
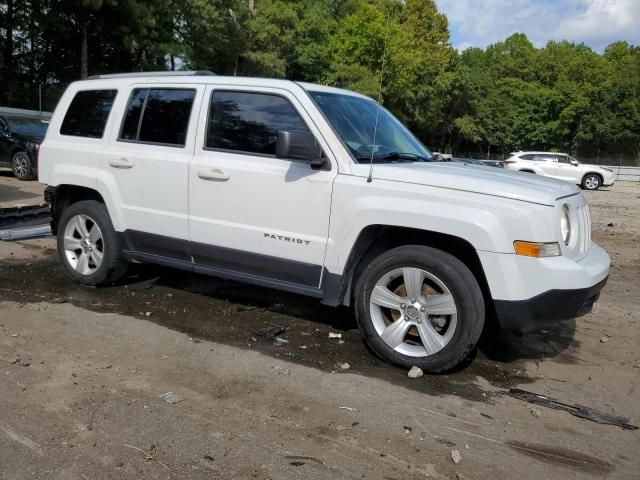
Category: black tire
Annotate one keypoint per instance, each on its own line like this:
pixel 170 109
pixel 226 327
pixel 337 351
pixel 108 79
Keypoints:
pixel 114 264
pixel 22 167
pixel 591 181
pixel 461 283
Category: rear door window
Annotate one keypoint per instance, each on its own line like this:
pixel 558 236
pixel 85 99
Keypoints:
pixel 158 116
pixel 88 113
pixel 249 122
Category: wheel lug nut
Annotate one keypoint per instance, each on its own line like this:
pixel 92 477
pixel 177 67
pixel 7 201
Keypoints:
pixel 403 306
pixel 422 309
pixel 413 300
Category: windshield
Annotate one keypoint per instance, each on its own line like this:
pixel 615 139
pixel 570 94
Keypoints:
pixel 354 119
pixel 32 127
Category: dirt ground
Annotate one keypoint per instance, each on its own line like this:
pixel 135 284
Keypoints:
pixel 14 192
pixel 82 371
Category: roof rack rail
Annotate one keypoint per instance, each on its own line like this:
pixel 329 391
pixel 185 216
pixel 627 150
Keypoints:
pixel 179 73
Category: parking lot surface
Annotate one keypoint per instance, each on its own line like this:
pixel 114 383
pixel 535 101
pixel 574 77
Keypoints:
pixel 82 371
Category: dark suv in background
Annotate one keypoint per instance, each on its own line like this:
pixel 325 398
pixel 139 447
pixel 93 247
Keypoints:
pixel 20 139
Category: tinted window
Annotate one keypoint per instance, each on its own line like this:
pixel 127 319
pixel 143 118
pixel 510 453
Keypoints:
pixel 249 122
pixel 528 157
pixel 88 113
pixel 165 116
pixel 132 117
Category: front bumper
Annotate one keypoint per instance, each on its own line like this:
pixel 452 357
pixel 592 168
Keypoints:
pixel 530 292
pixel 548 307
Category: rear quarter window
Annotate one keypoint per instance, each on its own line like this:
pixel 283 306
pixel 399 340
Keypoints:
pixel 158 116
pixel 88 113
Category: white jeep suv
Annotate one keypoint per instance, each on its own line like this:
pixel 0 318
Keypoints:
pixel 562 166
pixel 317 191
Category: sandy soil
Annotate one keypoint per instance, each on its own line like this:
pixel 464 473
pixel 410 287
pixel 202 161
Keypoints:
pixel 82 371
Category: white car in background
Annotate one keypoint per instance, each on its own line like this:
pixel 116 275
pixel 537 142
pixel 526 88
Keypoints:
pixel 561 166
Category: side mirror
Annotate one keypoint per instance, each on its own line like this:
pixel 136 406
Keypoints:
pixel 300 147
pixel 5 133
pixel 574 163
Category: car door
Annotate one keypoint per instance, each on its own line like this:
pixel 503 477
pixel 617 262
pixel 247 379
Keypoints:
pixel 566 170
pixel 547 163
pixel 5 143
pixel 147 166
pixel 250 213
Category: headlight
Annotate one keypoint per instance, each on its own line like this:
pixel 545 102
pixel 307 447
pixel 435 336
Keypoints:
pixel 565 224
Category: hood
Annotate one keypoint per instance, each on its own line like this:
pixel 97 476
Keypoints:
pixel 597 167
pixel 526 187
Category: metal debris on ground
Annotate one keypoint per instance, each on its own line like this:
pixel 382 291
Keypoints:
pixel 344 366
pixel 575 410
pixel 415 372
pixel 22 363
pixel 335 335
pixel 270 332
pixel 456 457
pixel 304 457
pixel 171 397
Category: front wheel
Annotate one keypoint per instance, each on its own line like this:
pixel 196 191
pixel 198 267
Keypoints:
pixel 419 306
pixel 88 245
pixel 21 166
pixel 591 182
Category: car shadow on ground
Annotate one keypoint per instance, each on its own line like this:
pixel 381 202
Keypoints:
pixel 242 315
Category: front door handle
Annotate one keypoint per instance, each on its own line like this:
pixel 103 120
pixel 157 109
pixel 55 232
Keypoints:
pixel 120 163
pixel 214 174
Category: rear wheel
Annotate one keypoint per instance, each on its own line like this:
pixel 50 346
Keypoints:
pixel 21 166
pixel 591 182
pixel 88 245
pixel 419 306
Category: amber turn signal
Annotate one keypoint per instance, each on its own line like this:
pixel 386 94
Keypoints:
pixel 536 249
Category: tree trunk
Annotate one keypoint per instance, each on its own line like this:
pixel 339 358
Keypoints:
pixel 7 54
pixel 173 62
pixel 252 7
pixel 84 62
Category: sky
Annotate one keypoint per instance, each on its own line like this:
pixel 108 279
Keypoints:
pixel 597 23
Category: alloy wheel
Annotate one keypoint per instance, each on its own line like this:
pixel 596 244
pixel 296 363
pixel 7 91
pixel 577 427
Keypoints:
pixel 413 311
pixel 20 165
pixel 592 182
pixel 83 244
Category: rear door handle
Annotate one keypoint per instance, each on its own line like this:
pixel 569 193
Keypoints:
pixel 120 163
pixel 214 174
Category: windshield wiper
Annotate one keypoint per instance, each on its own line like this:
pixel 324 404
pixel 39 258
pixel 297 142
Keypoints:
pixel 395 156
pixel 405 156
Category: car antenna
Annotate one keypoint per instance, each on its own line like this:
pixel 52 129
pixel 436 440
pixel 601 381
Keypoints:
pixel 375 128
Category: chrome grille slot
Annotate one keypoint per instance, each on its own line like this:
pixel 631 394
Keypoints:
pixel 580 241
pixel 584 228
